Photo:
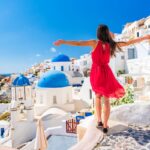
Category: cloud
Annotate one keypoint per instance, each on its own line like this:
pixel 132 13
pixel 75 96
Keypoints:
pixel 37 55
pixel 53 49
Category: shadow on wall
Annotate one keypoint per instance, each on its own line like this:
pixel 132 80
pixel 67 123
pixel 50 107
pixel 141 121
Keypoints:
pixel 80 104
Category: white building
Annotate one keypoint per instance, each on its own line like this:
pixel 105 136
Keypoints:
pixel 135 58
pixel 21 89
pixel 84 62
pixel 86 92
pixel 22 114
pixel 63 63
pixel 138 58
pixel 53 90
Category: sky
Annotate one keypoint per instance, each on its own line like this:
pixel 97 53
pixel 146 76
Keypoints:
pixel 28 28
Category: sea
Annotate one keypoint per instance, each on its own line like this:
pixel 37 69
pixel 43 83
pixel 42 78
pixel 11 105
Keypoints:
pixel 6 74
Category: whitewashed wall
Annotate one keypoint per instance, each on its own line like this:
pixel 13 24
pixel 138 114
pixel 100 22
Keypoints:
pixel 23 132
pixel 139 66
pixel 45 95
pixel 142 49
pixel 4 107
pixel 44 98
pixel 58 65
pixel 85 91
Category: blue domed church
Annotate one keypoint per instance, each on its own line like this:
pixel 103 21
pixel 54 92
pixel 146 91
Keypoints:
pixel 53 90
pixel 22 105
pixel 64 64
pixel 21 88
pixel 61 62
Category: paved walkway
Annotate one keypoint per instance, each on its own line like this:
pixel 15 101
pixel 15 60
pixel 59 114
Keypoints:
pixel 132 138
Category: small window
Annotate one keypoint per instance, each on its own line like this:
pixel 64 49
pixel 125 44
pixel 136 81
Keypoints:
pixel 54 67
pixel 122 57
pixel 131 53
pixel 135 83
pixel 90 93
pixel 149 26
pixel 62 68
pixel 54 100
pixel 85 63
pixel 137 34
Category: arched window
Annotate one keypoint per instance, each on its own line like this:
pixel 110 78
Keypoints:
pixel 67 98
pixel 20 94
pixel 54 100
pixel 90 94
pixel 148 52
pixel 135 83
pixel 28 93
pixel 41 99
pixel 13 93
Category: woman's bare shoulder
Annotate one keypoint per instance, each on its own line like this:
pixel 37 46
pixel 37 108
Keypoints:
pixel 94 43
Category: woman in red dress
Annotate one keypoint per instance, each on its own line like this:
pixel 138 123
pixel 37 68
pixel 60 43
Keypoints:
pixel 103 81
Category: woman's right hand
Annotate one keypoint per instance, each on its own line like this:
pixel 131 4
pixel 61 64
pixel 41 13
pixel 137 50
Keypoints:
pixel 58 42
pixel 147 37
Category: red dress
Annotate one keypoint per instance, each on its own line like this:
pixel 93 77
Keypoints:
pixel 102 79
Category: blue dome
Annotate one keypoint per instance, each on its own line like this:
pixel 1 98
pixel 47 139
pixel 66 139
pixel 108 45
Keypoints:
pixel 61 58
pixel 21 81
pixel 53 79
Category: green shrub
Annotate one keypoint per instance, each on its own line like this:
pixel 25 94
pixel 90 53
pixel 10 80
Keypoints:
pixel 128 97
pixel 5 101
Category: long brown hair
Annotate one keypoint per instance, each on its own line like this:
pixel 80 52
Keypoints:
pixel 104 35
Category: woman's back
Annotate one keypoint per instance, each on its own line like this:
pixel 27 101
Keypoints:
pixel 101 53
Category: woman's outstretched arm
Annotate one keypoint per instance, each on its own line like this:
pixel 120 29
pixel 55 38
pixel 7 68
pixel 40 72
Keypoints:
pixel 91 43
pixel 121 44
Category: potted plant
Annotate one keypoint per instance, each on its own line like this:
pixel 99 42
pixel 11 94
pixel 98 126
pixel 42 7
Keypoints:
pixel 128 79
